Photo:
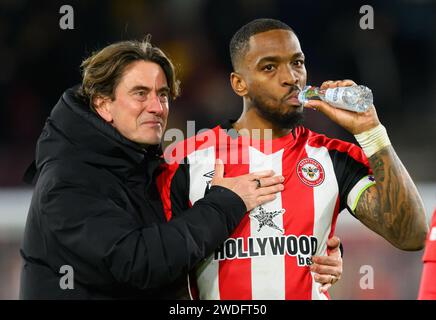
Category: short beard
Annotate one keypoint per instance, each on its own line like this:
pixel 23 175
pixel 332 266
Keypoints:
pixel 289 120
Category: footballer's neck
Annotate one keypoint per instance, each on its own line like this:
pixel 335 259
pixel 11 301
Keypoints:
pixel 263 129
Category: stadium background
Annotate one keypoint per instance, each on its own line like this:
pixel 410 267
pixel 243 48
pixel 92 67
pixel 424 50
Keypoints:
pixel 38 61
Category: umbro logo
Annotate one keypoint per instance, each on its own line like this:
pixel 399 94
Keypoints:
pixel 209 174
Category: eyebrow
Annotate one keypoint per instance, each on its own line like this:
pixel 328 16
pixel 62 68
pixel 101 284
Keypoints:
pixel 279 58
pixel 165 89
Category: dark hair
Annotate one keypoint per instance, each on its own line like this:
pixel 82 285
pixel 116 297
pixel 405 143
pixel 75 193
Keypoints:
pixel 240 40
pixel 103 70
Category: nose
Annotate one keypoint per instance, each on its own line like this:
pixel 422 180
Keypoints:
pixel 289 77
pixel 155 105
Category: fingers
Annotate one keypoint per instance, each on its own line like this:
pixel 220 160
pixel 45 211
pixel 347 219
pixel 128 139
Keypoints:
pixel 326 84
pixel 339 83
pixel 264 199
pixel 326 270
pixel 269 186
pixel 317 105
pixel 261 174
pixel 324 288
pixel 324 107
pixel 328 110
pixel 270 190
pixel 325 279
pixel 266 182
pixel 332 261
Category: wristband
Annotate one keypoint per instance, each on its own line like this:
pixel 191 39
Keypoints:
pixel 373 140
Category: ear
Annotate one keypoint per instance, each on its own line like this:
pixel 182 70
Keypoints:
pixel 238 84
pixel 102 106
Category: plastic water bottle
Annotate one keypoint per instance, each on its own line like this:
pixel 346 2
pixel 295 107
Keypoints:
pixel 353 98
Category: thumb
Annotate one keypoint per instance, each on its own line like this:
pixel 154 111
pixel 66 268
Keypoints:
pixel 219 169
pixel 333 244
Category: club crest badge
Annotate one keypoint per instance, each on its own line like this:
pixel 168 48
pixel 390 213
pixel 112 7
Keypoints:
pixel 310 172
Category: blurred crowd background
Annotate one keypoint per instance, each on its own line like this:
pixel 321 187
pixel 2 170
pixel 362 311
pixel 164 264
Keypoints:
pixel 39 60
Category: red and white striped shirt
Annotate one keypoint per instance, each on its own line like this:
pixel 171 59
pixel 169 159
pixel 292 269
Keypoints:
pixel 269 253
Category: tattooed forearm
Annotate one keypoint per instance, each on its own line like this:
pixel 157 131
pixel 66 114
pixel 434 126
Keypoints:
pixel 379 169
pixel 393 207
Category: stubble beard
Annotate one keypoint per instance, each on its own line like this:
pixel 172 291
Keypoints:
pixel 289 120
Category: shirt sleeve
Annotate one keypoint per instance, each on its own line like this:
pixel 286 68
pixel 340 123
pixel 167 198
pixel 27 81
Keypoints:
pixel 173 186
pixel 353 174
pixel 358 189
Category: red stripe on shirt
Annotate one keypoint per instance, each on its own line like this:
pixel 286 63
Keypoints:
pixel 297 220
